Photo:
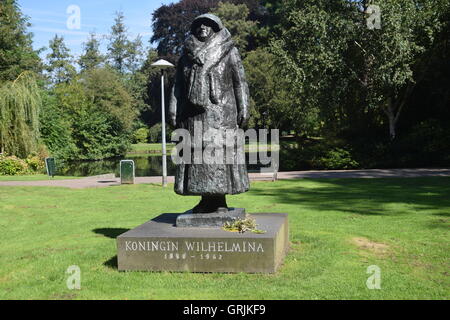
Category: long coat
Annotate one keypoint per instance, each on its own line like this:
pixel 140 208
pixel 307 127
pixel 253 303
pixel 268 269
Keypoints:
pixel 210 89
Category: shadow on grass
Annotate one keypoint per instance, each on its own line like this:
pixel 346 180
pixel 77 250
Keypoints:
pixel 440 223
pixel 112 233
pixel 111 263
pixel 363 196
pixel 443 214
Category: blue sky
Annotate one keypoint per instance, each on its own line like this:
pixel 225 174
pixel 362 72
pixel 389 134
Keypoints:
pixel 49 17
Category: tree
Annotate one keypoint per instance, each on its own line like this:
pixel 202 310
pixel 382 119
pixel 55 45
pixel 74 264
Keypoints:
pixel 309 50
pixel 147 90
pixel 56 126
pixel 20 103
pixel 91 57
pixel 396 57
pixel 234 17
pixel 270 107
pixel 118 46
pixel 141 82
pixel 16 52
pixel 99 111
pixel 272 17
pixel 339 65
pixel 171 25
pixel 59 61
pixel 109 96
pixel 124 55
pixel 135 55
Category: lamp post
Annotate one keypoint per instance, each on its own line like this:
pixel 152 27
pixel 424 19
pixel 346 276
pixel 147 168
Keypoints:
pixel 162 65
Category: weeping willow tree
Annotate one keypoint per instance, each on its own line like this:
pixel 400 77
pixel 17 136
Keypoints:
pixel 20 103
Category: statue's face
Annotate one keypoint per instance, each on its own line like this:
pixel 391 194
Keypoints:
pixel 203 32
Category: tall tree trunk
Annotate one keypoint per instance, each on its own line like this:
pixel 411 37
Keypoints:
pixel 389 110
pixel 394 107
pixel 392 125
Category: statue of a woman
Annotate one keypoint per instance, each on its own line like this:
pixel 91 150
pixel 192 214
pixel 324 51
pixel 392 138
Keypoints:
pixel 210 89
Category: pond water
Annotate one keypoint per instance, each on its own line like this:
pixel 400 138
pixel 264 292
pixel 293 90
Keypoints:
pixel 148 165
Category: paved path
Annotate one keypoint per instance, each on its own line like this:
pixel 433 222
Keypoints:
pixel 110 180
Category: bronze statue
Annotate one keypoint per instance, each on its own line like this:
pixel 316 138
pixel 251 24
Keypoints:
pixel 210 88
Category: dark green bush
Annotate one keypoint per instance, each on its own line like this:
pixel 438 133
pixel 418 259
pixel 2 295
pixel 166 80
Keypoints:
pixel 337 158
pixel 316 154
pixel 155 133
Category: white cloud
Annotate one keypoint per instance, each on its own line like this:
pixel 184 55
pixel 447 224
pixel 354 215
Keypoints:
pixel 33 12
pixel 60 31
pixel 63 22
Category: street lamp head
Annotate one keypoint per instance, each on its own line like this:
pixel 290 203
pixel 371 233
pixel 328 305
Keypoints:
pixel 162 64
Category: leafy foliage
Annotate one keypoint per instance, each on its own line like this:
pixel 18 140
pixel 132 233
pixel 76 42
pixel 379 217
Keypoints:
pixel 99 113
pixel 234 17
pixel 12 165
pixel 141 135
pixel 124 55
pixel 351 95
pixel 155 133
pixel 337 159
pixel 171 24
pixel 141 85
pixel 270 99
pixel 117 48
pixel 59 62
pixel 55 127
pixel 92 57
pixel 16 51
pixel 331 57
pixel 20 103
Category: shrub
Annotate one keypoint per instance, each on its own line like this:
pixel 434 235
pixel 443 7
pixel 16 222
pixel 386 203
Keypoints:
pixel 337 158
pixel 424 145
pixel 11 165
pixel 429 137
pixel 154 134
pixel 141 135
pixel 35 164
pixel 42 152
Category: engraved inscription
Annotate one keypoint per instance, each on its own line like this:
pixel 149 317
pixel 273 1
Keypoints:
pixel 209 250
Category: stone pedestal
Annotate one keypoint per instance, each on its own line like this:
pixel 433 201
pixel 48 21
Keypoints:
pixel 209 220
pixel 158 245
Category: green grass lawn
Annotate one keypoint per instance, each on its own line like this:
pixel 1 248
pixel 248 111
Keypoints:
pixel 338 228
pixel 34 177
pixel 149 148
pixel 156 148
